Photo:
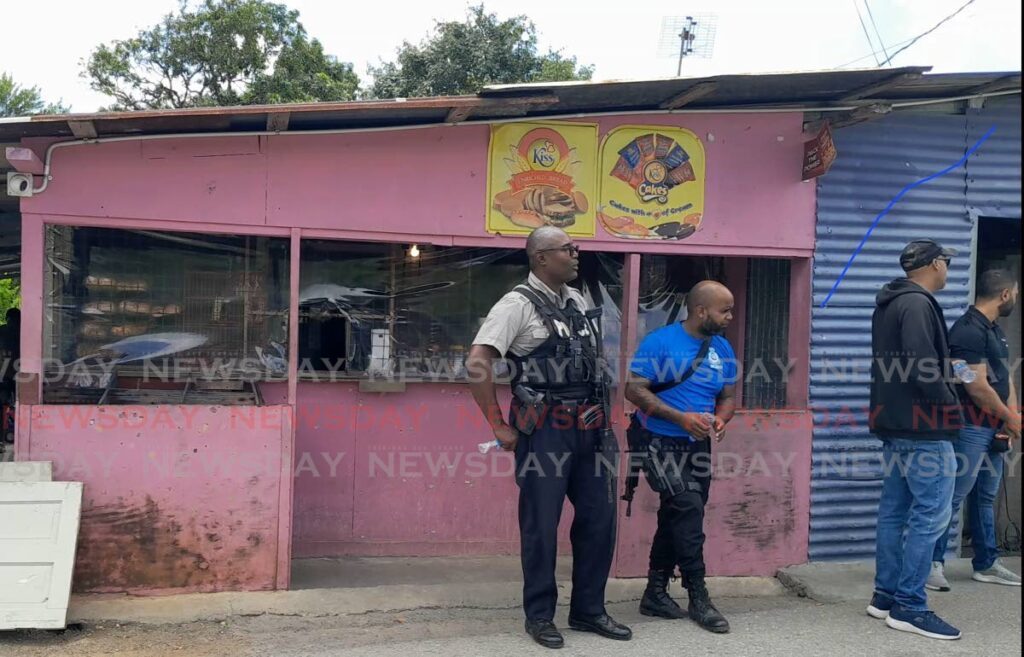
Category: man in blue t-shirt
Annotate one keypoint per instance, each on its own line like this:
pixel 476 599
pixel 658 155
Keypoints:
pixel 679 421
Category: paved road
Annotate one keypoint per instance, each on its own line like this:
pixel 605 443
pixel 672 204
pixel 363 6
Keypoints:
pixel 990 617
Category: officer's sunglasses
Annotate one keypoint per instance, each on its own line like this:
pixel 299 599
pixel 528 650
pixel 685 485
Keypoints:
pixel 571 249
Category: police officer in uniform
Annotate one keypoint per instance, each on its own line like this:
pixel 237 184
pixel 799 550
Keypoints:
pixel 553 428
pixel 682 382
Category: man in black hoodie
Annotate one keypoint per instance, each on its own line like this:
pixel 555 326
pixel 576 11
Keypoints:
pixel 916 414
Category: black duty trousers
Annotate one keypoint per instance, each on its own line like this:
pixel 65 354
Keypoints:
pixel 679 540
pixel 552 463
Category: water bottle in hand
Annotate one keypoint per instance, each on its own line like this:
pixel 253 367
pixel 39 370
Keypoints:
pixel 488 446
pixel 962 372
pixel 710 419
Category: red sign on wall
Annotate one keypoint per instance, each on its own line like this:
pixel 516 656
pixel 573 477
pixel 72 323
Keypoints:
pixel 819 154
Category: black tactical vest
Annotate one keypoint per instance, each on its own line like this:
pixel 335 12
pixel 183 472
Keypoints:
pixel 564 365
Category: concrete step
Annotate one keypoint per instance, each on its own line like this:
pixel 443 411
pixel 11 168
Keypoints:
pixel 333 587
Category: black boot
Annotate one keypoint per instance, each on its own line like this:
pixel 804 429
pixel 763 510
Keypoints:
pixel 701 610
pixel 656 600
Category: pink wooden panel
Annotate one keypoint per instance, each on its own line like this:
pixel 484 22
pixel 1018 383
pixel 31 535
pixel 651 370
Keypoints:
pixel 373 476
pixel 177 498
pixel 758 514
pixel 423 182
pixel 192 180
pixel 436 184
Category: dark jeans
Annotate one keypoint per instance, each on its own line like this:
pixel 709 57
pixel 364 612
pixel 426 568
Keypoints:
pixel 551 464
pixel 981 472
pixel 679 540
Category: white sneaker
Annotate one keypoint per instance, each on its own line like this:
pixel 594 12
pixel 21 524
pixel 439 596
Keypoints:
pixel 937 578
pixel 997 574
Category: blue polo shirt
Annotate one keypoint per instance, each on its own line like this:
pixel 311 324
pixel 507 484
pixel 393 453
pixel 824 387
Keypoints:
pixel 670 350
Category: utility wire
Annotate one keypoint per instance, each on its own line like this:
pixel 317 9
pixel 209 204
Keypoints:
pixel 878 34
pixel 863 57
pixel 924 34
pixel 864 27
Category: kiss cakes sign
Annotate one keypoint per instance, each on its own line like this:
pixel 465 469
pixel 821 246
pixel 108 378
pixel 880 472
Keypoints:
pixel 651 183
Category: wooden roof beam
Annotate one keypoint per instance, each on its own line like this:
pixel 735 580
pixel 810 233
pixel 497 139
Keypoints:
pixel 695 92
pixel 844 119
pixel 459 114
pixel 24 160
pixel 278 121
pixel 1004 83
pixel 875 87
pixel 83 129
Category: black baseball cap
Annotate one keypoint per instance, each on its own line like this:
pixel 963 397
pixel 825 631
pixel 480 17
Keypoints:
pixel 920 253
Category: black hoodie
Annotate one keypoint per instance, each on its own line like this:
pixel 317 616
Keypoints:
pixel 912 395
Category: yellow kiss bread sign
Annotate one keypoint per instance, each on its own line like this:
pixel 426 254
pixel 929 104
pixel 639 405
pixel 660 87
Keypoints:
pixel 542 174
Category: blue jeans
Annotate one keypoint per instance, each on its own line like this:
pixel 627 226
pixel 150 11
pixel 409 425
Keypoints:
pixel 914 511
pixel 981 472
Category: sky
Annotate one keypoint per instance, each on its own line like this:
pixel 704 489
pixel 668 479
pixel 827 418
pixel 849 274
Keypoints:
pixel 45 47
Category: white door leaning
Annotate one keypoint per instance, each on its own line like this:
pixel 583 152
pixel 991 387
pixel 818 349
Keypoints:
pixel 38 533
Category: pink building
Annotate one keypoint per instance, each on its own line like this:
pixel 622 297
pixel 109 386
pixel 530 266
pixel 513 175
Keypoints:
pixel 209 295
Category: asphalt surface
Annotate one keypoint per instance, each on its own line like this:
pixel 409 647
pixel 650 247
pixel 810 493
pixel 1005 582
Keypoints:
pixel 988 615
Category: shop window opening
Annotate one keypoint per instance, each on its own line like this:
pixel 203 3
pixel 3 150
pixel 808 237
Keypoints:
pixel 665 282
pixel 142 317
pixel 391 310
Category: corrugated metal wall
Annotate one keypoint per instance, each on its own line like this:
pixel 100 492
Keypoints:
pixel 876 160
pixel 993 173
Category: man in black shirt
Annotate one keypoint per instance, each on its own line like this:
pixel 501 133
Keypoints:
pixel 989 403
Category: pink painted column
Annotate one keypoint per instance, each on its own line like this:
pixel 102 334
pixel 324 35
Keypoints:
pixel 293 314
pixel 630 318
pixel 736 281
pixel 287 485
pixel 30 379
pixel 630 313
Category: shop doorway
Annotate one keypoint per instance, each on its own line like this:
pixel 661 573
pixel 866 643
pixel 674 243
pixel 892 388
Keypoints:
pixel 10 328
pixel 999 247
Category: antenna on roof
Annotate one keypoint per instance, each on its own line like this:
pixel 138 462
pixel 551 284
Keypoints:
pixel 687 36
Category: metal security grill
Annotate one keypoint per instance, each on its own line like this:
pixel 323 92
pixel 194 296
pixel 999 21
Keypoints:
pixel 766 345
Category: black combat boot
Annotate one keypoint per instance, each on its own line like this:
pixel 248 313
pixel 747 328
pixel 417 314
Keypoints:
pixel 701 610
pixel 656 600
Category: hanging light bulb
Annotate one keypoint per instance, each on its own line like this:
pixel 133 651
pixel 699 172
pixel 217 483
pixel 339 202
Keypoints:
pixel 414 251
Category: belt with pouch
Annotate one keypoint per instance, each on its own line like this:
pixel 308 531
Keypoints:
pixel 586 412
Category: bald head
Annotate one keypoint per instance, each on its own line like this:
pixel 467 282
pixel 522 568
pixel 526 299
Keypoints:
pixel 545 237
pixel 709 307
pixel 551 259
pixel 707 293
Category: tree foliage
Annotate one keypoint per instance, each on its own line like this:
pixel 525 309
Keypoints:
pixel 10 297
pixel 220 52
pixel 16 100
pixel 463 57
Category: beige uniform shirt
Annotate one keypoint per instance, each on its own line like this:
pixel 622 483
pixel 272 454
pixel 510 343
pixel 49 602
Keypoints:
pixel 514 325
